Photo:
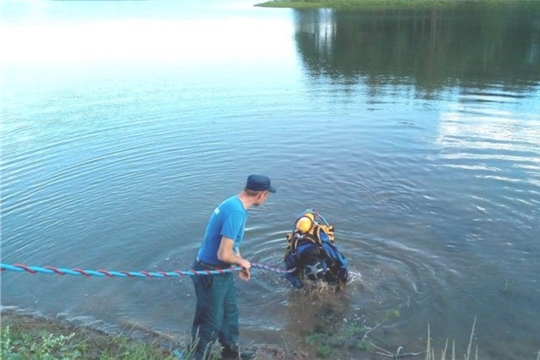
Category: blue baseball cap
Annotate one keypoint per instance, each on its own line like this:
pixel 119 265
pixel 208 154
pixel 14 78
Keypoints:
pixel 257 182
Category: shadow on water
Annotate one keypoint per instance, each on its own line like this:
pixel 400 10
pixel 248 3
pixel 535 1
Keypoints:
pixel 430 49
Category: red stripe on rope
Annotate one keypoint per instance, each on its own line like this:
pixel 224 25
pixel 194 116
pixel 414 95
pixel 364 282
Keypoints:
pixel 54 269
pixel 26 268
pixel 127 273
pixel 146 273
pixel 105 272
pixel 82 272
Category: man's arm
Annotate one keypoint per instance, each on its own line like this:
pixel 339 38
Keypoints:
pixel 227 255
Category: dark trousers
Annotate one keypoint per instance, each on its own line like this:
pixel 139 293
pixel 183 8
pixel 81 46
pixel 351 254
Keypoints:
pixel 216 314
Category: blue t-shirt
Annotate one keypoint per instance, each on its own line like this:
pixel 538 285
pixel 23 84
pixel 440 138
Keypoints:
pixel 229 220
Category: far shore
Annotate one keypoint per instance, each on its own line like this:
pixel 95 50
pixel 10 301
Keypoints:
pixel 388 4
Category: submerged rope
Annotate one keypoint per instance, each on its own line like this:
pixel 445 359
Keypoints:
pixel 131 274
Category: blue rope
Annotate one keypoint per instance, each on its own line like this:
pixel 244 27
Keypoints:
pixel 132 274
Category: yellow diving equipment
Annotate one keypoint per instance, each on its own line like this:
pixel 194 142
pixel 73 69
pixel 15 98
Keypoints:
pixel 304 224
pixel 308 228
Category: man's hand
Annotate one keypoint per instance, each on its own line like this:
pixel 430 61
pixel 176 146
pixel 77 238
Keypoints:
pixel 244 273
pixel 226 254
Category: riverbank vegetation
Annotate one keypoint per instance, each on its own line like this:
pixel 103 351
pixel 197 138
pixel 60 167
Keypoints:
pixel 386 4
pixel 28 337
pixel 25 336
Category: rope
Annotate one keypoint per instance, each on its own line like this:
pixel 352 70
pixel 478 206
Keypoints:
pixel 130 274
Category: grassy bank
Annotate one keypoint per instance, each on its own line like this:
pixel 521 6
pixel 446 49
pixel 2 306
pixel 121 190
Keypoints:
pixel 30 337
pixel 387 4
pixel 25 336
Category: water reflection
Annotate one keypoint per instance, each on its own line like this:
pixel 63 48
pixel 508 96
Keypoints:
pixel 430 49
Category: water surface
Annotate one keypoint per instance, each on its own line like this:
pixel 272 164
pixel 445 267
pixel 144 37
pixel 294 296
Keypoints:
pixel 417 134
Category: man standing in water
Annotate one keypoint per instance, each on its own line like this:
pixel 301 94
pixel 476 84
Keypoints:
pixel 216 315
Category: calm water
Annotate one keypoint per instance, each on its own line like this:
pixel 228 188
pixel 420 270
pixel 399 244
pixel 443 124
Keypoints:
pixel 417 134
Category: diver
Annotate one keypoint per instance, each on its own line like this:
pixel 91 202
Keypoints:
pixel 311 249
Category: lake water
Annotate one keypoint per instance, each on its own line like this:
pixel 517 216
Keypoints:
pixel 415 133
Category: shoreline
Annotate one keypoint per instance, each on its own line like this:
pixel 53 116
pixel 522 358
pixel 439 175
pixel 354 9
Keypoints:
pixel 99 337
pixel 390 4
